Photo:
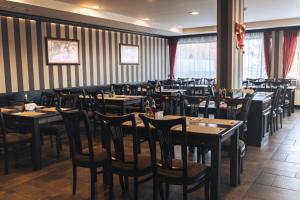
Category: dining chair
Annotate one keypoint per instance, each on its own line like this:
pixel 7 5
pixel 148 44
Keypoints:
pixel 209 81
pixel 133 90
pixel 198 81
pixel 71 101
pixel 273 115
pixel 168 169
pixel 247 102
pixel 91 158
pixel 81 92
pixel 287 107
pixel 191 106
pixel 48 99
pixel 124 158
pixel 53 129
pixel 226 146
pixel 119 89
pixel 280 105
pixel 11 141
pixel 96 103
pixel 61 91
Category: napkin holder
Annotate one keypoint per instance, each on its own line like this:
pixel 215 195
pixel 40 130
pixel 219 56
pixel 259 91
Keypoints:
pixel 30 107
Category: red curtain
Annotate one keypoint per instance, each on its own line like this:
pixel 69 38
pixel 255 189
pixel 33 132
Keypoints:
pixel 289 49
pixel 172 55
pixel 268 52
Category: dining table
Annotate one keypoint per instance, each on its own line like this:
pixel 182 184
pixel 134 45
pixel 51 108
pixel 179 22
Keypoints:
pixel 211 132
pixel 173 92
pixel 32 119
pixel 121 101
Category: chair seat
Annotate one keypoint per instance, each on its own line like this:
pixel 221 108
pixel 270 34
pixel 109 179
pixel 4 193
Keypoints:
pixel 144 163
pixel 14 138
pixel 100 155
pixel 195 170
pixel 242 146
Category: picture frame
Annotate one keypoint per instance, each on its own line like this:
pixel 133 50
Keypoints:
pixel 129 54
pixel 62 51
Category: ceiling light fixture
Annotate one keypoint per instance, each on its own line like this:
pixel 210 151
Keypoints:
pixel 146 19
pixel 194 13
pixel 95 7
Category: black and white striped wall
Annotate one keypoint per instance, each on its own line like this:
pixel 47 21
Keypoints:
pixel 23 56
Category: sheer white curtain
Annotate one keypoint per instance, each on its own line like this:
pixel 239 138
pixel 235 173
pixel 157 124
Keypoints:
pixel 254 60
pixel 196 57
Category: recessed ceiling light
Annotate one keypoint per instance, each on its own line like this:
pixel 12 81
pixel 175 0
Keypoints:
pixel 146 19
pixel 93 6
pixel 194 13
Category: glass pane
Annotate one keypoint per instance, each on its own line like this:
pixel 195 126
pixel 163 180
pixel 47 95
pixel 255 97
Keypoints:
pixel 254 60
pixel 196 59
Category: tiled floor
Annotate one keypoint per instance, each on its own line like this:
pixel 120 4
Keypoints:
pixel 271 172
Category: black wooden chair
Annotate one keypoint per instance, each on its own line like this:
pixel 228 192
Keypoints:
pixel 133 90
pixel 90 157
pixel 280 105
pixel 82 101
pixel 191 106
pixel 11 141
pixel 243 131
pixel 198 81
pixel 287 106
pixel 167 169
pixel 273 115
pixel 96 103
pixel 168 104
pixel 123 161
pixel 119 89
pixel 244 115
pixel 209 81
pixel 48 99
pixel 55 129
pixel 71 101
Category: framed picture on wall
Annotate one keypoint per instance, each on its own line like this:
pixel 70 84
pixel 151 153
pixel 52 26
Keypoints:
pixel 129 54
pixel 62 51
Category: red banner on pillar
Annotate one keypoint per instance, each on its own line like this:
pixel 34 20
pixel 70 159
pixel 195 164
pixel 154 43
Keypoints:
pixel 240 35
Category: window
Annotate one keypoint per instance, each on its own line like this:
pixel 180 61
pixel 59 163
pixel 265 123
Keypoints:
pixel 295 70
pixel 196 57
pixel 254 60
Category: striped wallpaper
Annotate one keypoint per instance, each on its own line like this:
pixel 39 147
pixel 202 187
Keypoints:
pixel 23 57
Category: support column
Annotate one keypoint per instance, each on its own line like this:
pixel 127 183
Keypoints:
pixel 229 58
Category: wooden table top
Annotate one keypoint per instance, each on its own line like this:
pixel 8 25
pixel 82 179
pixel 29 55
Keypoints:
pixel 173 90
pixel 197 125
pixel 122 97
pixel 118 97
pixel 40 111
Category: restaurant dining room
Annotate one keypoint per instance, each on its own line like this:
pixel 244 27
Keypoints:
pixel 149 99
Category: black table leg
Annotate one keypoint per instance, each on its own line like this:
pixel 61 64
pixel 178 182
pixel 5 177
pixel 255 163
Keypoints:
pixel 36 146
pixel 215 169
pixel 142 105
pixel 123 110
pixel 234 159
